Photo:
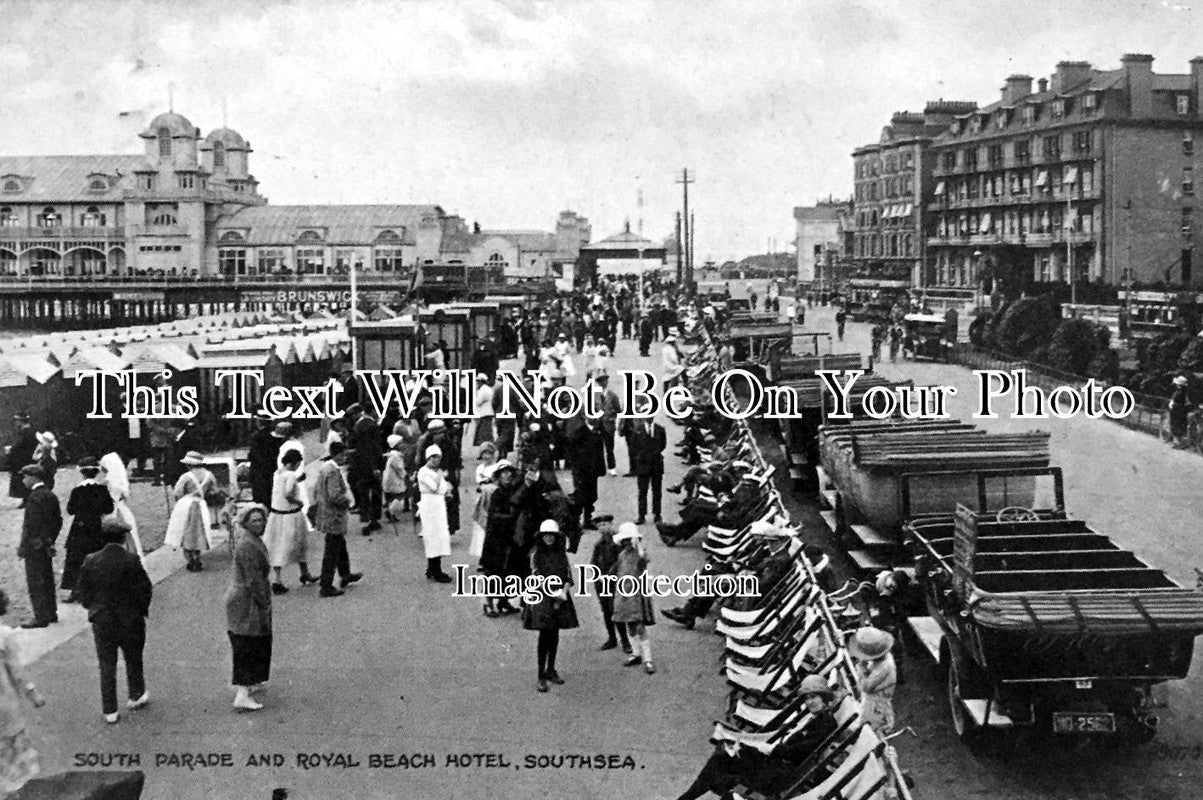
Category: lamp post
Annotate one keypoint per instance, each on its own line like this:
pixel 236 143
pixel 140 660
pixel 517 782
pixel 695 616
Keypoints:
pixel 978 294
pixel 351 314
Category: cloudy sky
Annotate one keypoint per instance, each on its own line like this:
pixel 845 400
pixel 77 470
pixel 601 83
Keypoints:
pixel 507 112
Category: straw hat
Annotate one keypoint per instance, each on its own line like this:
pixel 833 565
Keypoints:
pixel 47 438
pixel 394 440
pixel 1180 380
pixel 433 450
pixel 435 424
pixel 193 459
pixel 549 526
pixel 627 530
pixel 766 529
pixel 870 644
pixel 816 684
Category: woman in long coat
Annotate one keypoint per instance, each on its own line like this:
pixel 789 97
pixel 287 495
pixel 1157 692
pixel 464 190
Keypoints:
pixel 287 535
pixel 634 610
pixel 249 609
pixel 88 503
pixel 553 613
pixel 432 510
pixel 505 505
pixel 188 526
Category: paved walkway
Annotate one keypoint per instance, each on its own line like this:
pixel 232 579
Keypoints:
pixel 396 668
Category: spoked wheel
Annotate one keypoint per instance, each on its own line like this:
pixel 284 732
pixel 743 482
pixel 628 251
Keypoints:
pixel 966 728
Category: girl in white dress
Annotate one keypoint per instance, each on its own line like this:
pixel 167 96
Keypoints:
pixel 287 531
pixel 432 510
pixel 188 526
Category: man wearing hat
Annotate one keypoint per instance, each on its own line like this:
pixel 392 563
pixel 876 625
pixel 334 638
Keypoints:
pixel 607 402
pixel 349 395
pixel 41 526
pixel 587 457
pixel 365 466
pixel 1180 406
pixel 647 442
pixel 20 453
pixel 331 499
pixel 770 564
pixel 264 452
pixel 116 591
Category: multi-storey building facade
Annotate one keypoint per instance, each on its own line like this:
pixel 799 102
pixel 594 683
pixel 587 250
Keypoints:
pixel 189 207
pixel 891 178
pixel 1074 182
pixel 817 228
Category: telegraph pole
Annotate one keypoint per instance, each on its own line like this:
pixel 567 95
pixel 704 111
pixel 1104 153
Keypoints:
pixel 685 180
pixel 680 251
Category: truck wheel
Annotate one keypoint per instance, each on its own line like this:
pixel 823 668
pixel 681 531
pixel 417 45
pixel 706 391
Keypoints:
pixel 967 730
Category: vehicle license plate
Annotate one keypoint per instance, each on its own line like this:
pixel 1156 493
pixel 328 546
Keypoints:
pixel 1065 722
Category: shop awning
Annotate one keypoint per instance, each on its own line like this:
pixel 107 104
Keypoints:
pixel 1071 175
pixel 939 188
pixel 984 225
pixel 1042 178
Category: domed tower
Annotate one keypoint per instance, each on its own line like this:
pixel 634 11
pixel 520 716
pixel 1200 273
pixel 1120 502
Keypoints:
pixel 226 156
pixel 171 142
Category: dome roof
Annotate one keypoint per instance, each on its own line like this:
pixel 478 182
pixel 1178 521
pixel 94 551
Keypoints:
pixel 178 124
pixel 230 138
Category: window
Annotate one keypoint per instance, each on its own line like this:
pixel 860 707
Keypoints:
pixel 164 143
pixel 1188 143
pixel 388 259
pixel 311 261
pixel 975 124
pixel 994 155
pixel 146 182
pixel 272 262
pixel 1029 114
pixel 7 218
pixel 12 187
pixel 1188 222
pixel 496 261
pixel 344 260
pixel 1082 141
pixel 1058 108
pixel 98 185
pixel 1188 180
pixel 1023 152
pixel 971 158
pixel 219 155
pixel 950 161
pixel 1090 102
pixel 1182 103
pixel 163 218
pixel 309 237
pixel 1052 146
pixel 231 261
pixel 49 218
pixel 187 181
pixel 92 218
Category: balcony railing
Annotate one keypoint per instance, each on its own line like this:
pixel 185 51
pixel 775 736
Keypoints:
pixel 158 230
pixel 62 232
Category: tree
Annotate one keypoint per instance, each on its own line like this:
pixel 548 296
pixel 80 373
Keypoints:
pixel 1073 347
pixel 1025 325
pixel 1191 359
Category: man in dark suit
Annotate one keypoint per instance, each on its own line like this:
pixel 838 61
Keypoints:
pixel 20 453
pixel 116 590
pixel 647 442
pixel 43 521
pixel 587 456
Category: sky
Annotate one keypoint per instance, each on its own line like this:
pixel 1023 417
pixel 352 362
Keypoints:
pixel 507 112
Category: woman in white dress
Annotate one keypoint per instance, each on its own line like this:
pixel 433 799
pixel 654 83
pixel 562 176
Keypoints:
pixel 117 480
pixel 188 526
pixel 432 510
pixel 287 534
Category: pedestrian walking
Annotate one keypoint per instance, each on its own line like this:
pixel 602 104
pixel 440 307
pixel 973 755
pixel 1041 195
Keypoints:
pixel 116 480
pixel 605 556
pixel 870 648
pixel 331 500
pixel 87 504
pixel 482 407
pixel 39 531
pixel 263 455
pixel 554 612
pixel 647 442
pixel 841 319
pixel 394 482
pixel 608 404
pixel 633 609
pixel 188 525
pixel 46 456
pixel 432 510
pixel 19 761
pixel 587 456
pixel 287 531
pixel 115 589
pixel 486 458
pixel 249 609
pixel 502 512
pixel 20 454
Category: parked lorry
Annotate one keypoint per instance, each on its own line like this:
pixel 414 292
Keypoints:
pixel 1043 624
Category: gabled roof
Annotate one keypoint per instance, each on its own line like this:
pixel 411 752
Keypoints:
pixel 267 225
pixel 66 179
pixel 624 240
pixel 33 367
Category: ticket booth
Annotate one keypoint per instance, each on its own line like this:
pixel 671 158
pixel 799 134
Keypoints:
pixel 388 344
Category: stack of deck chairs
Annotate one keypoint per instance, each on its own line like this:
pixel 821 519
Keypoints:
pixel 791 633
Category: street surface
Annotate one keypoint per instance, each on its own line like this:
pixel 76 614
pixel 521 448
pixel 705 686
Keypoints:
pixel 395 668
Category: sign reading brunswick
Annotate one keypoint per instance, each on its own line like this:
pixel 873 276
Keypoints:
pixel 299 296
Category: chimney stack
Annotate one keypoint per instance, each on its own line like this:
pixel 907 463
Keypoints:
pixel 1196 76
pixel 1072 73
pixel 1042 85
pixel 1138 80
pixel 1016 88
